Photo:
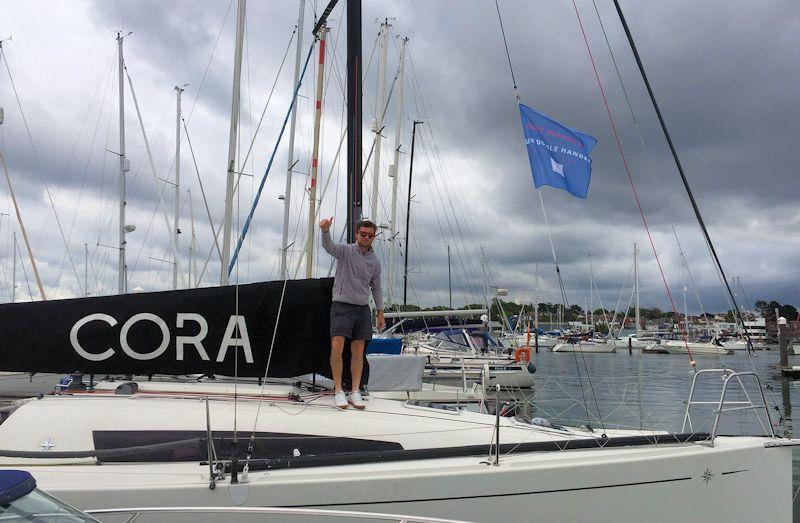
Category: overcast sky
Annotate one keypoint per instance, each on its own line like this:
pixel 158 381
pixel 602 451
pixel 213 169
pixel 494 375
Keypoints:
pixel 725 74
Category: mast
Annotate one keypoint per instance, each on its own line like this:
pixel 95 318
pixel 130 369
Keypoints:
pixel 486 288
pixel 536 301
pixel 237 75
pixel 684 180
pixel 394 174
pixel 354 112
pixel 685 312
pixel 14 271
pixel 591 289
pixel 192 268
pixel 123 167
pixel 86 269
pixel 312 190
pixel 636 286
pixel 408 212
pixel 22 227
pixel 287 195
pixel 449 279
pixel 379 110
pixel 175 268
pixel 586 312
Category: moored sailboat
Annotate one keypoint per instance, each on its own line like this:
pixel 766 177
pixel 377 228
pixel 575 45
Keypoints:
pixel 296 450
pixel 587 346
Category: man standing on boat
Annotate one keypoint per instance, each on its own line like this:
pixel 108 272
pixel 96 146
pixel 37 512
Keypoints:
pixel 358 271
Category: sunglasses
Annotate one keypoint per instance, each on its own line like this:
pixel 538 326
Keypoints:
pixel 366 235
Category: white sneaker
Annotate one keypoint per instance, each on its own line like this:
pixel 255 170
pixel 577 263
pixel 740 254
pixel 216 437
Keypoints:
pixel 356 400
pixel 340 398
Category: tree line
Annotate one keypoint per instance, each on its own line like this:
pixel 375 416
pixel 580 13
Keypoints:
pixel 765 309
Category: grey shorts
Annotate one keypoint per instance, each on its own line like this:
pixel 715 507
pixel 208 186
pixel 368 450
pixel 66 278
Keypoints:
pixel 351 321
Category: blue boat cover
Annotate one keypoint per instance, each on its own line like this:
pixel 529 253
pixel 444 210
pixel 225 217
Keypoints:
pixel 14 484
pixel 384 346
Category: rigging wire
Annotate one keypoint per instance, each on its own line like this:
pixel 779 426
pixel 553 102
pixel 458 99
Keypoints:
pixel 455 225
pixel 508 55
pixel 646 151
pixel 132 268
pixel 88 161
pixel 330 55
pixel 202 190
pixel 619 301
pixel 251 443
pixel 153 170
pixel 566 305
pixel 5 254
pixel 210 58
pixel 685 181
pixel 689 273
pixel 47 188
pixel 247 156
pixel 24 272
pixel 630 180
pixel 750 349
pixel 248 221
pixel 562 288
pixel 249 218
pixel 269 98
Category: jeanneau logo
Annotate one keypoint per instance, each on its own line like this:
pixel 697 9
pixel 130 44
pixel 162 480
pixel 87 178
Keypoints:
pixel 47 444
pixel 707 475
pixel 235 336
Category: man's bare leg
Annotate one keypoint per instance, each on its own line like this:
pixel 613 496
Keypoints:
pixel 356 363
pixel 337 347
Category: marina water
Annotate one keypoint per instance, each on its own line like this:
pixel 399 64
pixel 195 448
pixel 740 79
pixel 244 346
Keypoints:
pixel 651 390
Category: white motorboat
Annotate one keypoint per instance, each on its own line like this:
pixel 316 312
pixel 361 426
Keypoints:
pixel 455 356
pixel 683 347
pixel 588 347
pixel 734 344
pixel 151 440
pixel 633 341
pixel 513 341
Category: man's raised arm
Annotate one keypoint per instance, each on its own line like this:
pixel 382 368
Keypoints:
pixel 334 249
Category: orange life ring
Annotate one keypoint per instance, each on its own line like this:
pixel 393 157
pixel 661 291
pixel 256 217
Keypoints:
pixel 522 354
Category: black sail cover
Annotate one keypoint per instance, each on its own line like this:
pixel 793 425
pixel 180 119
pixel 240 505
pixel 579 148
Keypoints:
pixel 196 331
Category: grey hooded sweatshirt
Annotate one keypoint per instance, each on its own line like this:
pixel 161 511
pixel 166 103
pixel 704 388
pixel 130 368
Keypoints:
pixel 356 273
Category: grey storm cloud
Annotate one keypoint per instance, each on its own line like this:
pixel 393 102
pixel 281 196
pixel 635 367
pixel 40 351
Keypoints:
pixel 723 72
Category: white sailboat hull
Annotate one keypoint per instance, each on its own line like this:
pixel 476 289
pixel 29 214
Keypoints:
pixel 505 376
pixel 456 367
pixel 588 348
pixel 635 343
pixel 521 340
pixel 680 347
pixel 735 345
pixel 627 484
pixel 665 482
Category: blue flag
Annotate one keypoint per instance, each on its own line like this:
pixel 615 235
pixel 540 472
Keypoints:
pixel 559 155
